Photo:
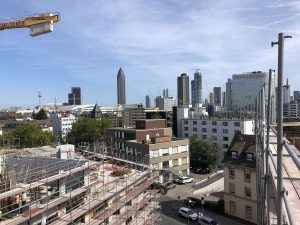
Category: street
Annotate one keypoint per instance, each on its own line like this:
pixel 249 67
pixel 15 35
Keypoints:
pixel 170 205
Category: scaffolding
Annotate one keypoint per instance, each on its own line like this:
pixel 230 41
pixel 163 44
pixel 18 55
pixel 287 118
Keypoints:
pixel 43 190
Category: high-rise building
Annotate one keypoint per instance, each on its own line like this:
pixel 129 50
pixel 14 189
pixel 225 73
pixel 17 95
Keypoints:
pixel 148 101
pixel 196 86
pixel 223 98
pixel 165 103
pixel 297 96
pixel 244 89
pixel 217 95
pixel 211 97
pixel 121 87
pixel 228 99
pixel 166 93
pixel 183 89
pixel 74 98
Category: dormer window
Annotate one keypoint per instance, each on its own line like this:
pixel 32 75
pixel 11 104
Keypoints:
pixel 249 156
pixel 234 155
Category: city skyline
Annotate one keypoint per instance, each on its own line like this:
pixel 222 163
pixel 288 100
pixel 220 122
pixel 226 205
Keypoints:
pixel 234 38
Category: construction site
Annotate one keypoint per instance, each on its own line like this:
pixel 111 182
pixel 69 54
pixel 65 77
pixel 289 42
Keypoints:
pixel 61 186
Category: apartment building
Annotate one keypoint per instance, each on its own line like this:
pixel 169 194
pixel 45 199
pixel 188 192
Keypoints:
pixel 62 123
pixel 151 139
pixel 291 110
pixel 240 187
pixel 220 131
pixel 132 114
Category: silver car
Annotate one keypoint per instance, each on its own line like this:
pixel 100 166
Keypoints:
pixel 188 213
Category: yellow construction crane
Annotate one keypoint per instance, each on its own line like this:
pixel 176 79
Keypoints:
pixel 38 24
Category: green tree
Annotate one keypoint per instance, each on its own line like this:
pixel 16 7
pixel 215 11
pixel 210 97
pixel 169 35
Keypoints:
pixel 89 130
pixel 204 153
pixel 31 135
pixel 41 115
pixel 155 116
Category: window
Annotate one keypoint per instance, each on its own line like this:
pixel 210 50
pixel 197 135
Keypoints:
pixel 214 130
pixel 247 175
pixel 194 122
pixel 225 145
pixel 225 138
pixel 204 129
pixel 204 137
pixel 183 148
pixel 225 131
pixel 249 156
pixel 186 135
pixel 231 188
pixel 174 150
pixel 232 207
pixel 248 192
pixel 248 212
pixel 232 172
pixel 186 128
pixel 214 138
pixel 225 124
pixel 234 155
pixel 237 131
pixel 165 151
pixel 214 123
pixel 236 124
pixel 203 122
pixel 185 122
pixel 194 128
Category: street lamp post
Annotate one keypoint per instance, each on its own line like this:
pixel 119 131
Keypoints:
pixel 280 190
pixel 189 211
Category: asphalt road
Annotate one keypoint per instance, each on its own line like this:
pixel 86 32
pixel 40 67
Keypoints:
pixel 169 207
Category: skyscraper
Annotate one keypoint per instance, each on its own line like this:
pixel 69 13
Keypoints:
pixel 296 95
pixel 74 98
pixel 196 86
pixel 217 95
pixel 121 87
pixel 148 101
pixel 211 97
pixel 244 89
pixel 183 89
pixel 228 100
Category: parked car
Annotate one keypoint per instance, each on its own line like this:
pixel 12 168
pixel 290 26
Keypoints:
pixel 188 213
pixel 207 220
pixel 192 202
pixel 184 180
pixel 201 170
pixel 170 185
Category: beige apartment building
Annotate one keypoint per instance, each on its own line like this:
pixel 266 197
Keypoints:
pixel 240 178
pixel 151 139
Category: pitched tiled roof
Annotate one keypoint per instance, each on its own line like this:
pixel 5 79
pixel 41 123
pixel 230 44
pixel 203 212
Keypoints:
pixel 242 144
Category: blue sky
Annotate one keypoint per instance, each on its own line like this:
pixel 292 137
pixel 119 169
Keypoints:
pixel 154 42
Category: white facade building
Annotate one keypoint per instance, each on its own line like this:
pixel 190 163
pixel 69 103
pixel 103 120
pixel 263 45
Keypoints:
pixel 291 110
pixel 62 123
pixel 165 103
pixel 220 131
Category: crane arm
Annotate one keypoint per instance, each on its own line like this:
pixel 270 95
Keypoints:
pixel 30 21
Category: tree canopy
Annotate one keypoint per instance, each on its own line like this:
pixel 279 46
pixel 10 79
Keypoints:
pixel 89 130
pixel 30 135
pixel 204 153
pixel 41 115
